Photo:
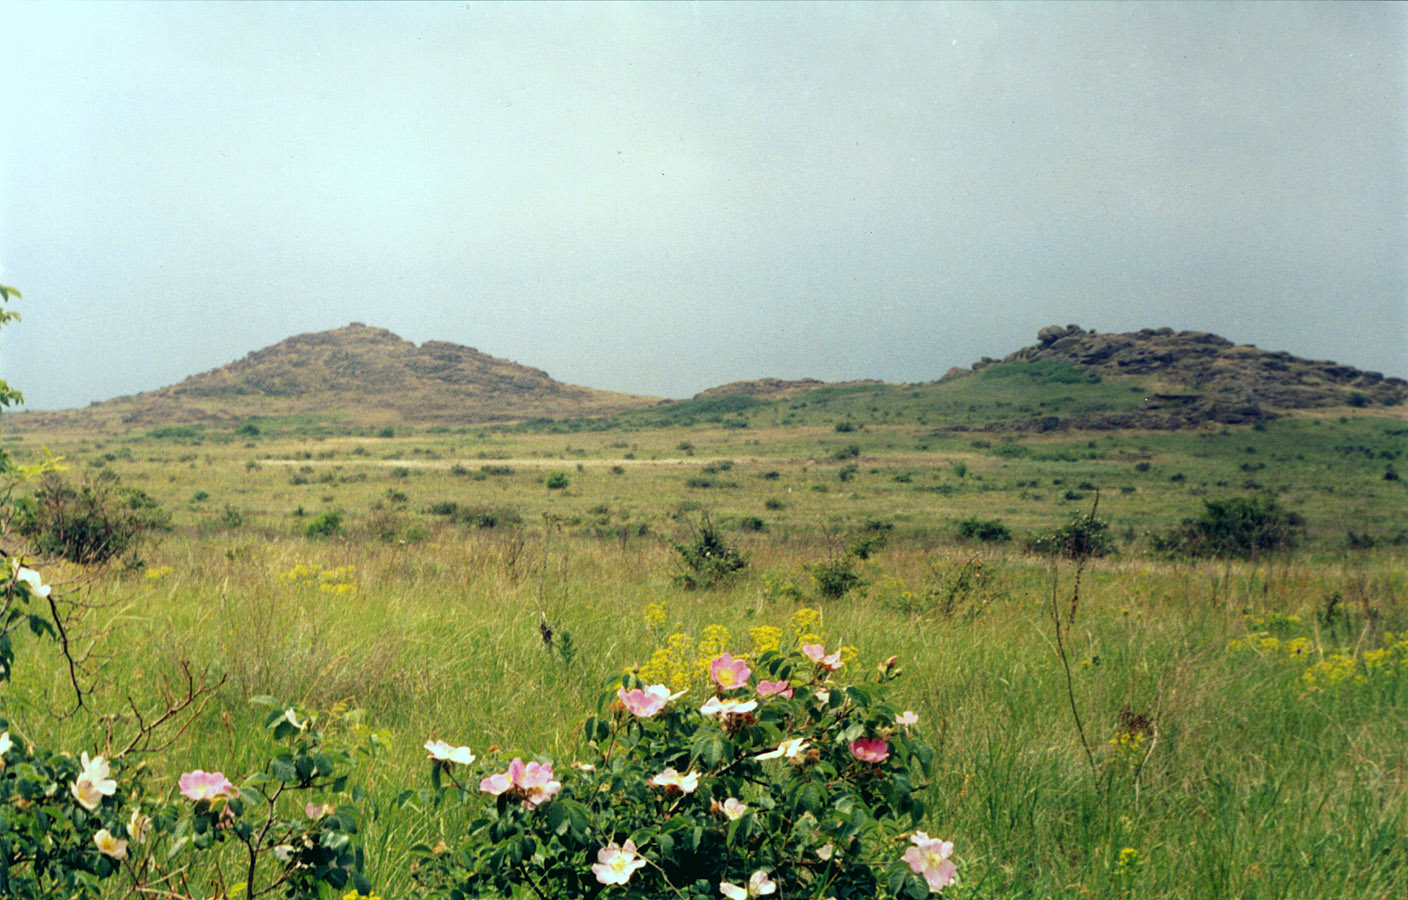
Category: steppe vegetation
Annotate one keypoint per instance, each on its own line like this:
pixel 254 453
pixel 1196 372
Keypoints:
pixel 1120 704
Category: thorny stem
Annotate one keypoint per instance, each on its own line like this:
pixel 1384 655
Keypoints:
pixel 68 655
pixel 1061 645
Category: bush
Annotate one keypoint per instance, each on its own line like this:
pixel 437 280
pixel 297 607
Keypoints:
pixel 557 481
pixel 989 531
pixel 1081 538
pixel 835 578
pixel 91 523
pixel 735 797
pixel 1236 526
pixel 324 525
pixel 708 558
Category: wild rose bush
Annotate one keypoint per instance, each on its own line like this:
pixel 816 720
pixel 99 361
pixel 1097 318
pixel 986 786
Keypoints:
pixel 68 826
pixel 784 780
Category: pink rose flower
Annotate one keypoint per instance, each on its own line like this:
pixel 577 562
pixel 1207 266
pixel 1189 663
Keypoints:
pixel 716 708
pixel 729 673
pixel 930 857
pixel 817 654
pixel 199 785
pixel 443 752
pixel 532 783
pixel 870 750
pixel 771 688
pixel 646 702
pixel 616 863
pixel 672 780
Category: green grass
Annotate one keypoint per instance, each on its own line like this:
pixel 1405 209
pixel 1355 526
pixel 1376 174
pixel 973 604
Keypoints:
pixel 1254 786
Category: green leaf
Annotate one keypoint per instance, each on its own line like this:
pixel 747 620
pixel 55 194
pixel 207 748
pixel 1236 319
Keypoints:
pixel 282 768
pixel 558 819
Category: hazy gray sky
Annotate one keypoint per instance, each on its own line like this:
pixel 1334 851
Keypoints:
pixel 661 198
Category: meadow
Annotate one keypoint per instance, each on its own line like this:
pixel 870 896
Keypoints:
pixel 1204 727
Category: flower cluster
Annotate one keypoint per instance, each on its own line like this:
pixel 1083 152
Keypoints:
pixel 781 781
pixel 532 783
pixel 338 580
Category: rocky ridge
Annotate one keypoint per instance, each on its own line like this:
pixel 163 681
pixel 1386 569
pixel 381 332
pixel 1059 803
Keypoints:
pixel 1202 377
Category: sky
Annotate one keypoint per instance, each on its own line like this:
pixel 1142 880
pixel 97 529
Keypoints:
pixel 661 198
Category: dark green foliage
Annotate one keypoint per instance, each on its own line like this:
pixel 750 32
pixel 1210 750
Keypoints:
pixel 557 481
pixel 1236 526
pixel 324 525
pixel 707 558
pixel 1081 538
pixel 232 517
pixel 835 578
pixel 93 522
pixel 989 531
pixel 477 516
pixel 844 427
pixel 752 523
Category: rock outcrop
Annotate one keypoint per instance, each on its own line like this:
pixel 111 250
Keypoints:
pixel 1202 377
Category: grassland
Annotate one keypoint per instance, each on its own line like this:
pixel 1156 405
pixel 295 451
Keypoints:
pixel 1267 768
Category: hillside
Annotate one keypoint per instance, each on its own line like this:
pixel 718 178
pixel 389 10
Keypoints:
pixel 358 377
pixel 355 374
pixel 1198 377
pixel 1070 378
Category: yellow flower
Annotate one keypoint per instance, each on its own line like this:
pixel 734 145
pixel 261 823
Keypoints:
pixel 655 615
pixel 765 638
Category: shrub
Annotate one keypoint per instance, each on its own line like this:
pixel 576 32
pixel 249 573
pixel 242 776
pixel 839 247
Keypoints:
pixel 324 525
pixel 989 531
pixel 752 523
pixel 557 481
pixel 835 578
pixel 89 523
pixel 1081 538
pixel 749 794
pixel 773 503
pixel 707 557
pixel 232 517
pixel 1236 526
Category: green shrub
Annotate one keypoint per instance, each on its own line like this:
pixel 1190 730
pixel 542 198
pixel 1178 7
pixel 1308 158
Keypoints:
pixel 232 517
pixel 989 531
pixel 1081 538
pixel 1236 526
pixel 557 481
pixel 89 523
pixel 324 525
pixel 835 578
pixel 707 557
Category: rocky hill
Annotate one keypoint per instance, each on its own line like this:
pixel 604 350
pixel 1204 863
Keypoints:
pixel 1201 377
pixel 362 374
